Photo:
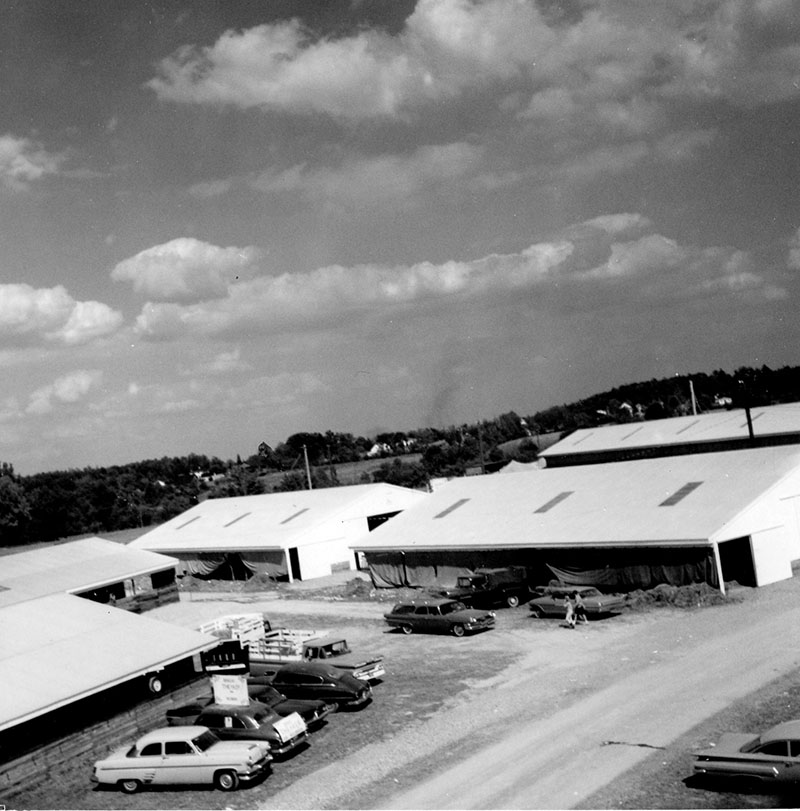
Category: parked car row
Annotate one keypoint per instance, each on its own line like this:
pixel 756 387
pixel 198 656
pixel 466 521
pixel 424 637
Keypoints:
pixel 451 614
pixel 207 743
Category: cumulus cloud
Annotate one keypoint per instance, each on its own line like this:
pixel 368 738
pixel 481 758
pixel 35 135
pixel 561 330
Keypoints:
pixel 66 389
pixel 586 262
pixel 186 270
pixel 23 162
pixel 382 177
pixel 617 58
pixel 51 314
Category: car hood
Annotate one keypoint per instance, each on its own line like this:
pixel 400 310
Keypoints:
pixel 238 748
pixel 731 743
pixel 468 614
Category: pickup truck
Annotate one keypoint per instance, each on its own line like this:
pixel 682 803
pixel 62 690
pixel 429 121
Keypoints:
pixel 276 646
pixel 486 588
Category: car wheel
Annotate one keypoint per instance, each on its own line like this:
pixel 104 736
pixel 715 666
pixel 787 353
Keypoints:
pixel 227 780
pixel 537 612
pixel 154 684
pixel 512 601
pixel 129 786
pixel 406 629
pixel 458 630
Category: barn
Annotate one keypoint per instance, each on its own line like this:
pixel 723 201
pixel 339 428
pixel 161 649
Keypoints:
pixel 718 430
pixel 297 535
pixel 712 517
pixel 62 645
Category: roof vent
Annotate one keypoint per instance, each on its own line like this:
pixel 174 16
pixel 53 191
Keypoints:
pixel 452 507
pixel 230 523
pixel 292 517
pixel 553 501
pixel 186 523
pixel 680 495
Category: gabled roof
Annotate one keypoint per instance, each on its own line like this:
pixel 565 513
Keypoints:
pixel 715 426
pixel 273 520
pixel 73 567
pixel 676 500
pixel 60 648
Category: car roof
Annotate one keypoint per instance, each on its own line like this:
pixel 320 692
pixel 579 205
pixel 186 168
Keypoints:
pixel 324 641
pixel 787 729
pixel 172 734
pixel 235 709
pixel 430 601
pixel 320 668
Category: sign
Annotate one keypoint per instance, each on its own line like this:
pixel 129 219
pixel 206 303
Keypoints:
pixel 290 726
pixel 228 657
pixel 230 691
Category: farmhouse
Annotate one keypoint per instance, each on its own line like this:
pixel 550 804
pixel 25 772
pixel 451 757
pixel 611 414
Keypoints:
pixel 711 517
pixel 297 535
pixel 62 643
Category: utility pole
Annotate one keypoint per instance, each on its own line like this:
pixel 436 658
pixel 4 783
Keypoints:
pixel 308 469
pixel 694 401
pixel 746 398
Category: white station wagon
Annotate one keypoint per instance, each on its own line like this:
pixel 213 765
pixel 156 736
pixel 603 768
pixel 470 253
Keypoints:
pixel 189 755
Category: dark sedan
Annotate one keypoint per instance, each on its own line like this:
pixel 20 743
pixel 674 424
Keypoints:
pixel 439 615
pixel 324 682
pixel 742 757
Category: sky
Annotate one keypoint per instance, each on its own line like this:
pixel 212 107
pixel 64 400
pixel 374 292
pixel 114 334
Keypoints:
pixel 224 222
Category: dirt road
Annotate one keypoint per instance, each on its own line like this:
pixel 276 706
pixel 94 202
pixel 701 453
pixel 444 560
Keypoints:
pixel 578 710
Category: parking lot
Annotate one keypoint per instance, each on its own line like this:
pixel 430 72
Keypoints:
pixel 499 719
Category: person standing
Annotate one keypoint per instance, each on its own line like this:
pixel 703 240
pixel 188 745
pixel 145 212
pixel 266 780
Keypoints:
pixel 569 603
pixel 580 609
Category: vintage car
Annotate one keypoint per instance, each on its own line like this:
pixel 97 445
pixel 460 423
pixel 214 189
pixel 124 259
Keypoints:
pixel 321 681
pixel 487 588
pixel 439 615
pixel 745 758
pixel 336 650
pixel 255 722
pixel 313 711
pixel 191 755
pixel 259 688
pixel 550 601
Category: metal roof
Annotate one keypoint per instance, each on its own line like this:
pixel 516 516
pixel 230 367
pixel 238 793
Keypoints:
pixel 73 567
pixel 715 426
pixel 60 648
pixel 274 520
pixel 676 500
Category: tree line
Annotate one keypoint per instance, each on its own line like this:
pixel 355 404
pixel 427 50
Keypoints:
pixel 60 504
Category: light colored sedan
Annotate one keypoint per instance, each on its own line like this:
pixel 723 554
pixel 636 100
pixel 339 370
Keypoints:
pixel 742 757
pixel 550 601
pixel 191 755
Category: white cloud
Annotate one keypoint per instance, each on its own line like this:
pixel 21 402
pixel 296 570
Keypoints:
pixel 186 269
pixel 23 161
pixel 31 314
pixel 614 59
pixel 586 262
pixel 66 389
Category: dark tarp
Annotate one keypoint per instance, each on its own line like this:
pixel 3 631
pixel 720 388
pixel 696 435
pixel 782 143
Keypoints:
pixel 623 569
pixel 233 565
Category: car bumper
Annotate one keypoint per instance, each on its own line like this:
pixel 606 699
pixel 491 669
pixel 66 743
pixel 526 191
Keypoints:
pixel 363 698
pixel 288 746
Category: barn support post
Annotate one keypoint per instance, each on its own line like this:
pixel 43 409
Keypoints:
pixel 287 560
pixel 718 564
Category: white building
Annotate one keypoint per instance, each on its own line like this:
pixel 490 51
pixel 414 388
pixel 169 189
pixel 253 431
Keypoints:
pixel 299 535
pixel 710 517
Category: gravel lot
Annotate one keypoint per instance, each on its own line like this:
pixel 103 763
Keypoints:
pixel 482 722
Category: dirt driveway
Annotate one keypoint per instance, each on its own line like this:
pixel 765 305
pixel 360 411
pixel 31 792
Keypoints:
pixel 572 712
pixel 531 715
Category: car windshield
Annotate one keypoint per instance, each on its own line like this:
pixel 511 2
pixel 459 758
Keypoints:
pixel 590 593
pixel 260 716
pixel 464 582
pixel 449 608
pixel 205 740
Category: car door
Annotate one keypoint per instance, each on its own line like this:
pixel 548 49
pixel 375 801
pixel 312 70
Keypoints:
pixel 149 765
pixel 184 764
pixel 422 618
pixel 779 760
